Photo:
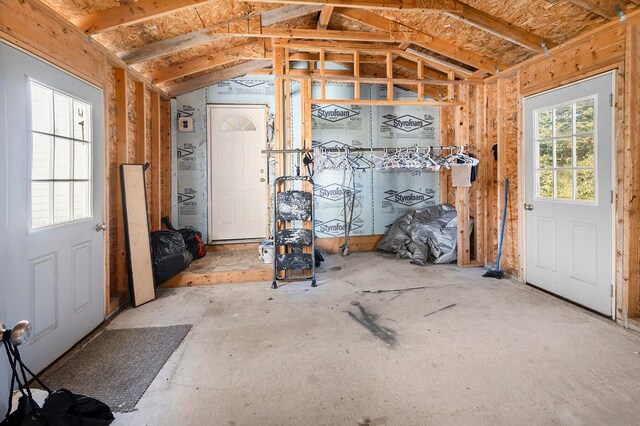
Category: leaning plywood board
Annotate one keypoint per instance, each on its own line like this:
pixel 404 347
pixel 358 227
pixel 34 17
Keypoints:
pixel 136 222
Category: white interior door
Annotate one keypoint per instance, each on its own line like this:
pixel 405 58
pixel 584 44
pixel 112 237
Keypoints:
pixel 568 210
pixel 237 172
pixel 52 184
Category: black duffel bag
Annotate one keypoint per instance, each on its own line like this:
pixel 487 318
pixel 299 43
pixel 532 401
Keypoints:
pixel 61 408
pixel 192 239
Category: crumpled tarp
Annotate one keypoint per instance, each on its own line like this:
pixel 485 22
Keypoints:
pixel 428 234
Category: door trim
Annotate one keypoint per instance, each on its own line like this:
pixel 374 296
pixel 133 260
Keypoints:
pixel 614 186
pixel 210 108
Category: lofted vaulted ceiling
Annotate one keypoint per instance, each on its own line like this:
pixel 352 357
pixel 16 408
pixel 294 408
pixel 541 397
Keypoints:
pixel 183 44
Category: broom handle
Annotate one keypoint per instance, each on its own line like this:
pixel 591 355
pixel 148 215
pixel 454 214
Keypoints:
pixel 504 219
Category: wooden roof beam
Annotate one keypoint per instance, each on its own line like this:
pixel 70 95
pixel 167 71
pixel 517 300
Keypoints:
pixel 129 14
pixel 336 46
pixel 255 50
pixel 604 8
pixel 336 57
pixel 370 71
pixel 437 64
pixel 501 29
pixel 218 76
pixel 253 29
pixel 142 10
pixel 325 17
pixel 436 45
pixel 428 73
pixel 416 5
pixel 203 35
pixel 290 11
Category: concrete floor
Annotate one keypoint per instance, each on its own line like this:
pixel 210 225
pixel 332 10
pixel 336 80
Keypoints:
pixel 464 350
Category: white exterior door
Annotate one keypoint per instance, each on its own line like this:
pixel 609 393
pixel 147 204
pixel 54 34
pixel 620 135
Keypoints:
pixel 568 207
pixel 51 146
pixel 237 172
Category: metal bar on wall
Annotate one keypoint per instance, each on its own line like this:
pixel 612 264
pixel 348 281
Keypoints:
pixel 335 149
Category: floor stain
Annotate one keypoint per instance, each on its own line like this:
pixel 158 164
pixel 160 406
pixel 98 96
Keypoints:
pixel 337 268
pixel 400 290
pixel 441 309
pixel 369 321
pixel 366 421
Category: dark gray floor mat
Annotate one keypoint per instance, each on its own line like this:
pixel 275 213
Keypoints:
pixel 118 366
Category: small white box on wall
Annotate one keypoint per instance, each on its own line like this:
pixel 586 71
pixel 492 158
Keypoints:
pixel 185 124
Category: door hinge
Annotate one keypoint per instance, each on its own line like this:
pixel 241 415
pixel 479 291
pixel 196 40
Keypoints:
pixel 611 99
pixel 612 197
pixel 612 291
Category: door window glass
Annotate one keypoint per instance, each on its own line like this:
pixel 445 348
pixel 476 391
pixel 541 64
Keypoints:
pixel 60 157
pixel 566 151
pixel 237 123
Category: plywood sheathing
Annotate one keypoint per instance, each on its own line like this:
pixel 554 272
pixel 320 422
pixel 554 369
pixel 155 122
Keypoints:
pixel 132 121
pixel 168 26
pixel 593 53
pixel 631 196
pixel 558 22
pixel 491 129
pixel 112 161
pixel 508 142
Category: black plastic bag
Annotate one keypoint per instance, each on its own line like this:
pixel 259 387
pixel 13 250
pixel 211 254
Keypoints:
pixel 192 239
pixel 165 243
pixel 23 414
pixel 64 408
pixel 61 408
pixel 169 255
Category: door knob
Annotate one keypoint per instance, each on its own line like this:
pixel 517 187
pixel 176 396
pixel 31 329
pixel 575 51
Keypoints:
pixel 19 334
pixel 528 207
pixel 101 227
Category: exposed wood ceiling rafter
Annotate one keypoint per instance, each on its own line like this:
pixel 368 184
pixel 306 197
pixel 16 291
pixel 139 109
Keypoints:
pixel 455 8
pixel 436 45
pixel 204 35
pixel 389 36
pixel 501 29
pixel 298 33
pixel 324 17
pixel 218 76
pixel 254 50
pixel 437 64
pixel 142 10
pixel 129 14
pixel 604 8
pixel 416 5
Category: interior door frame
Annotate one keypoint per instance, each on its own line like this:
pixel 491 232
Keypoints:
pixel 105 166
pixel 614 170
pixel 210 108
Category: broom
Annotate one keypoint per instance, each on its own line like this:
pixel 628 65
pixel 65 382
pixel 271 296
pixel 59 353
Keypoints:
pixel 499 273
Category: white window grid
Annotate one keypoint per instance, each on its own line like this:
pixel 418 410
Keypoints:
pixel 53 180
pixel 573 136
